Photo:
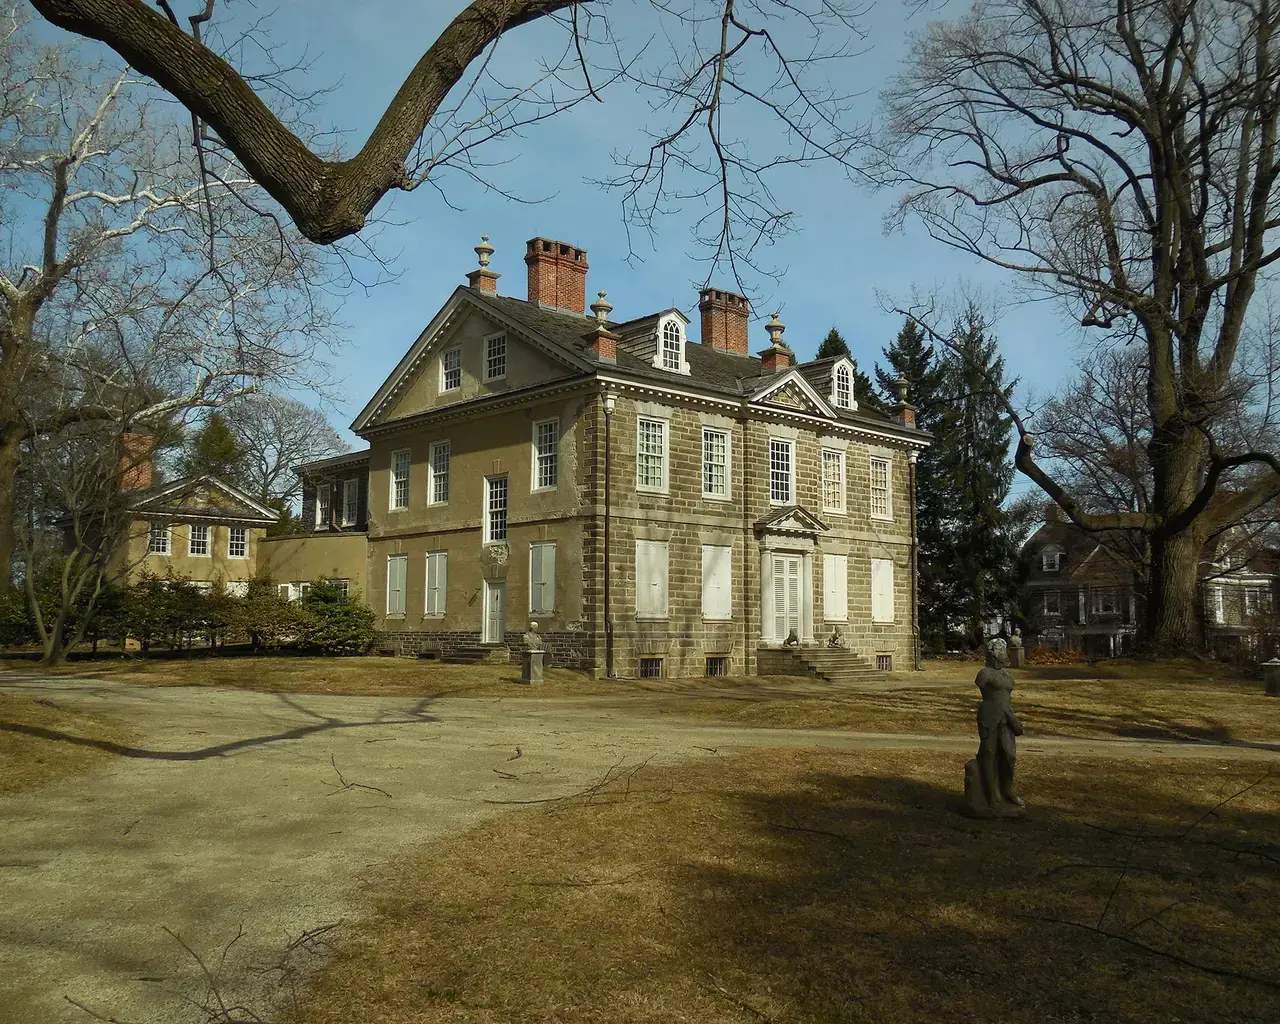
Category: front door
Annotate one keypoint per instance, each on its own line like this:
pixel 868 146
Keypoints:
pixel 495 611
pixel 786 595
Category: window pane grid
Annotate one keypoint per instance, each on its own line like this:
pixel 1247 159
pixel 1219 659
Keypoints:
pixel 440 455
pixel 545 450
pixel 158 540
pixel 322 505
pixel 652 453
pixel 880 488
pixel 400 480
pixel 843 390
pixel 833 481
pixel 715 463
pixel 199 540
pixel 670 346
pixel 350 499
pixel 451 369
pixel 238 542
pixel 495 359
pixel 780 471
pixel 496 509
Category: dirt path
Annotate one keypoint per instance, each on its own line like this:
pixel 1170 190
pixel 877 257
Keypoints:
pixel 259 814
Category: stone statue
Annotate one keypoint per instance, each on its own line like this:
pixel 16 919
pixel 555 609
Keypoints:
pixel 792 640
pixel 1017 654
pixel 988 778
pixel 1016 639
pixel 836 639
pixel 532 640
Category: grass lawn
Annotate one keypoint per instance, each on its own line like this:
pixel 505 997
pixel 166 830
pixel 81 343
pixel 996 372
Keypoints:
pixel 28 760
pixel 793 886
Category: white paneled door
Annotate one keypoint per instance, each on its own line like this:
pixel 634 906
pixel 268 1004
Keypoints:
pixel 495 611
pixel 786 595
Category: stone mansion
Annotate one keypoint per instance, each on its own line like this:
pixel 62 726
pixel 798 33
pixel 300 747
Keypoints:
pixel 658 504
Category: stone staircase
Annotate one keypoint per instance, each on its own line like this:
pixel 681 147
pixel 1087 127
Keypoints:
pixel 478 654
pixel 830 664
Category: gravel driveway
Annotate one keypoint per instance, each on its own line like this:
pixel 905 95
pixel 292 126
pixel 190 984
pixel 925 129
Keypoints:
pixel 257 815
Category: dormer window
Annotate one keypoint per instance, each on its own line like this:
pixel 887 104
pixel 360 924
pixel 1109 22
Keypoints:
pixel 843 393
pixel 1051 559
pixel 668 345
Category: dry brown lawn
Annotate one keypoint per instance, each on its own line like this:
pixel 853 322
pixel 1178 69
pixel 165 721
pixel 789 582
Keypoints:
pixel 28 758
pixel 794 886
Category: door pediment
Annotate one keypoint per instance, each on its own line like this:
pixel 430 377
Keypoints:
pixel 791 521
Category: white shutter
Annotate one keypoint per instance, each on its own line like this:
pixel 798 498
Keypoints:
pixel 651 578
pixel 881 590
pixel 793 594
pixel 835 588
pixel 779 599
pixel 717 585
pixel 437 581
pixel 542 577
pixel 395 583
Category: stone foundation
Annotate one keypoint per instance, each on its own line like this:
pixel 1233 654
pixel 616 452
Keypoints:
pixel 565 649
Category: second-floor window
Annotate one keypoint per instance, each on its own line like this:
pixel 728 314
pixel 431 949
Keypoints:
pixel 158 539
pixel 881 493
pixel 451 369
pixel 322 505
pixel 400 479
pixel 1257 601
pixel 1104 602
pixel 782 464
pixel 495 508
pixel 651 455
pixel 1051 559
pixel 671 346
pixel 715 463
pixel 495 357
pixel 350 502
pixel 546 462
pixel 438 471
pixel 238 542
pixel 198 545
pixel 1052 603
pixel 832 480
pixel 844 387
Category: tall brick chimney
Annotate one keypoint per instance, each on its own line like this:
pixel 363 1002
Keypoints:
pixel 136 464
pixel 557 274
pixel 724 320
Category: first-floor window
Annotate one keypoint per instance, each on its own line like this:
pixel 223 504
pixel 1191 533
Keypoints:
pixel 397 570
pixel 832 480
pixel 651 579
pixel 350 502
pixel 322 505
pixel 881 590
pixel 717 581
pixel 781 471
pixel 199 543
pixel 1052 603
pixel 238 542
pixel 1257 601
pixel 495 508
pixel 835 588
pixel 542 577
pixel 158 539
pixel 1104 602
pixel 437 581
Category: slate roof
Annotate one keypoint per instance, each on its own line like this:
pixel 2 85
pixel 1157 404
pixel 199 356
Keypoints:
pixel 333 462
pixel 166 500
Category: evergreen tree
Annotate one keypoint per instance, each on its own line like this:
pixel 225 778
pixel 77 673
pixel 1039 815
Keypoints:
pixel 834 345
pixel 864 392
pixel 977 472
pixel 214 450
pixel 927 389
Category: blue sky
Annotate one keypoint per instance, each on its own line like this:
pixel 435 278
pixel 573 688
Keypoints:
pixel 834 266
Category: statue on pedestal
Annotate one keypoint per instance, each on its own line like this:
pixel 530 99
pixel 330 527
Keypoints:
pixel 836 639
pixel 988 778
pixel 532 640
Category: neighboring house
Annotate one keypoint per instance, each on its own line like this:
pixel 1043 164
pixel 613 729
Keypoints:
pixel 1240 583
pixel 659 505
pixel 335 518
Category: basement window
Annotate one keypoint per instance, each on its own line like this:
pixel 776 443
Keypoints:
pixel 717 667
pixel 650 668
pixel 884 662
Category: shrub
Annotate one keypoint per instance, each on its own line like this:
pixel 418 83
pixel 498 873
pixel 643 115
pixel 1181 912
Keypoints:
pixel 332 623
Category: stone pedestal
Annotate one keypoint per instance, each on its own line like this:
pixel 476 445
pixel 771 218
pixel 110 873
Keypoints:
pixel 1017 657
pixel 531 666
pixel 1271 676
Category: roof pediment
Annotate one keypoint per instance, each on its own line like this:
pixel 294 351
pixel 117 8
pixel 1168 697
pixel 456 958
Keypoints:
pixel 793 519
pixel 792 392
pixel 204 497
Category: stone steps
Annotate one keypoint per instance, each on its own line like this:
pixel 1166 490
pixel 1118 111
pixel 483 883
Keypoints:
pixel 833 666
pixel 482 654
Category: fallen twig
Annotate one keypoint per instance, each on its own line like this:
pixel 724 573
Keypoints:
pixel 344 785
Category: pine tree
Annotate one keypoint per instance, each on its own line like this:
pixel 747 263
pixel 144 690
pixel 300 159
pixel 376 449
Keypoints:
pixel 214 450
pixel 910 357
pixel 864 392
pixel 977 472
pixel 834 345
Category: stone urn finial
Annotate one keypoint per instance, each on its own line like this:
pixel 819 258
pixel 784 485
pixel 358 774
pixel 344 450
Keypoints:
pixel 484 251
pixel 602 307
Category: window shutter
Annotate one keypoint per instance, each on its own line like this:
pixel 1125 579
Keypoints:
pixel 542 577
pixel 835 586
pixel 717 574
pixel 651 578
pixel 881 590
pixel 779 601
pixel 395 584
pixel 437 581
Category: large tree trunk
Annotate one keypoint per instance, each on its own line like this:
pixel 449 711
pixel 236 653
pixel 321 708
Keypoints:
pixel 1172 624
pixel 10 455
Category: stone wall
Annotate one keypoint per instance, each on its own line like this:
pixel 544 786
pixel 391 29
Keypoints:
pixel 574 650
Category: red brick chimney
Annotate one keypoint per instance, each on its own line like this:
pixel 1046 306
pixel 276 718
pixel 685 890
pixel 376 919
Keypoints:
pixel 777 357
pixel 724 320
pixel 136 465
pixel 484 279
pixel 557 274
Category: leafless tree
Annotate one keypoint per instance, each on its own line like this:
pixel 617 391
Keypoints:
pixel 137 282
pixel 719 73
pixel 278 433
pixel 1122 160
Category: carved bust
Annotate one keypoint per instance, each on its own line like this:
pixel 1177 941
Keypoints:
pixel 532 640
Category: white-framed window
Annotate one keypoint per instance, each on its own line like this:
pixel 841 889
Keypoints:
pixel 495 357
pixel 438 472
pixel 304 588
pixel 782 470
pixel 437 581
pixel 285 590
pixel 451 369
pixel 715 463
pixel 344 586
pixel 198 541
pixel 158 539
pixel 835 588
pixel 717 582
pixel 651 579
pixel 842 390
pixel 1257 601
pixel 1052 603
pixel 832 480
pixel 397 570
pixel 495 508
pixel 350 501
pixel 881 489
pixel 1104 602
pixel 671 346
pixel 546 455
pixel 542 577
pixel 881 590
pixel 1051 559
pixel 651 454
pixel 323 504
pixel 400 462
pixel 238 542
